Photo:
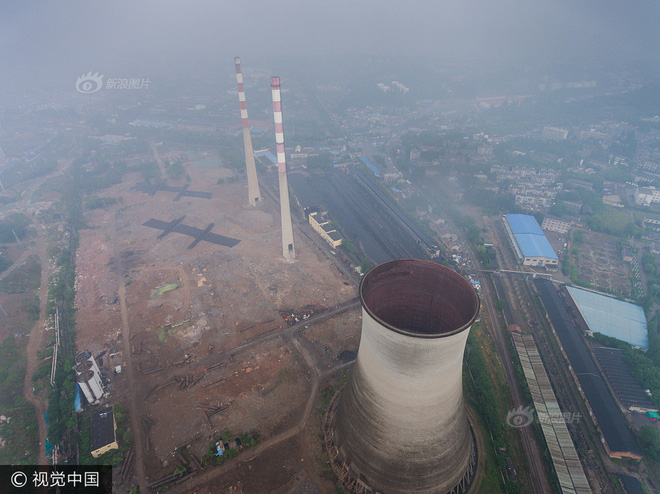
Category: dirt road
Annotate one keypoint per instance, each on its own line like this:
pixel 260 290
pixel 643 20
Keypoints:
pixel 34 344
pixel 130 371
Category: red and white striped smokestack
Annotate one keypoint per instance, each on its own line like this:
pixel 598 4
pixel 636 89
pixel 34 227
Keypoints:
pixel 254 195
pixel 288 249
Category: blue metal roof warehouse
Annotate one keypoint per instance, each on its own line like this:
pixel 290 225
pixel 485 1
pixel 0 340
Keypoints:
pixel 529 241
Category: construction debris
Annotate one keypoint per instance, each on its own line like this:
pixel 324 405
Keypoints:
pixel 208 422
pixel 190 441
pixel 217 410
pixel 188 380
pixel 126 465
pixel 146 425
pixel 160 386
pixel 221 380
pixel 216 366
pixel 186 360
pixel 149 371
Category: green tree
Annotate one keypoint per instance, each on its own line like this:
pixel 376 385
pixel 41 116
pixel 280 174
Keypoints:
pixel 366 265
pixel 650 442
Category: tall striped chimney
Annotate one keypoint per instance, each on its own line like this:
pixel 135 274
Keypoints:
pixel 288 249
pixel 254 196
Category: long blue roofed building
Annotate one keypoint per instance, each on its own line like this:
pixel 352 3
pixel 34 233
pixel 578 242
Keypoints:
pixel 529 242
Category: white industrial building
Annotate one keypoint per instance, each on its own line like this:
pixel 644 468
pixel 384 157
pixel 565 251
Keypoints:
pixel 88 376
pixel 645 196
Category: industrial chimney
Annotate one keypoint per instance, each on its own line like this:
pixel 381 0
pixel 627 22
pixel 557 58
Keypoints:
pixel 254 196
pixel 400 425
pixel 288 249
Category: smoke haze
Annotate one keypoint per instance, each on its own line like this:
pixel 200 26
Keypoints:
pixel 45 44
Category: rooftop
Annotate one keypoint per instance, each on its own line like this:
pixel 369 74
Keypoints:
pixel 530 237
pixel 103 428
pixel 612 317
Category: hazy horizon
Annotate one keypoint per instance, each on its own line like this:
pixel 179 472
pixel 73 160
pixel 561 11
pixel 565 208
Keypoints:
pixel 44 45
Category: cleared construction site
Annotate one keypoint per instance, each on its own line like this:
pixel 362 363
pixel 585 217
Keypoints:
pixel 199 342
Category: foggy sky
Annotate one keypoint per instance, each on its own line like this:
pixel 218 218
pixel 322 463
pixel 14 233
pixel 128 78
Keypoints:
pixel 43 43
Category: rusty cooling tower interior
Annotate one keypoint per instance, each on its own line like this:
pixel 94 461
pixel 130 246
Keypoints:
pixel 419 298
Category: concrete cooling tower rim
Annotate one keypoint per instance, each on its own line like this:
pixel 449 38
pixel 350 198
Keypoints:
pixel 419 298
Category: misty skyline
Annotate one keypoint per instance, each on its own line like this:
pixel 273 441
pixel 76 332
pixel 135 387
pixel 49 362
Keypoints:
pixel 44 43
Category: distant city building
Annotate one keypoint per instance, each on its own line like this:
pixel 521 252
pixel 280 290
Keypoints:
pixel 573 207
pixel 627 254
pixel 652 221
pixel 529 242
pixel 613 200
pixel 612 193
pixel 197 127
pixel 574 183
pixel 554 133
pixel 269 158
pixel 555 225
pixel 645 196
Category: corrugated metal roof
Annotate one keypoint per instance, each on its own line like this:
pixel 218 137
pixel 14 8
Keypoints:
pixel 571 476
pixel 371 165
pixel 268 155
pixel 612 317
pixel 530 237
pixel 524 223
pixel 536 246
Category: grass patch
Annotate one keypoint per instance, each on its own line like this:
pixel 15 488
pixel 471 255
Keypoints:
pixel 96 202
pixel 5 263
pixel 157 292
pixel 16 223
pixel 31 307
pixel 21 433
pixel 268 391
pixel 26 277
pixel 165 331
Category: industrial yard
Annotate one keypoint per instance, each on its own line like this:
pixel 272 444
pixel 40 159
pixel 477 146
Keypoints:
pixel 386 303
pixel 219 339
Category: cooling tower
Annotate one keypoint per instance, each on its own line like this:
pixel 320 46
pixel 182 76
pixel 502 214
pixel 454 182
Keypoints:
pixel 400 425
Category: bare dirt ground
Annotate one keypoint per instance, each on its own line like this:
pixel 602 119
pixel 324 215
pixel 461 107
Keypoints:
pixel 222 325
pixel 600 263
